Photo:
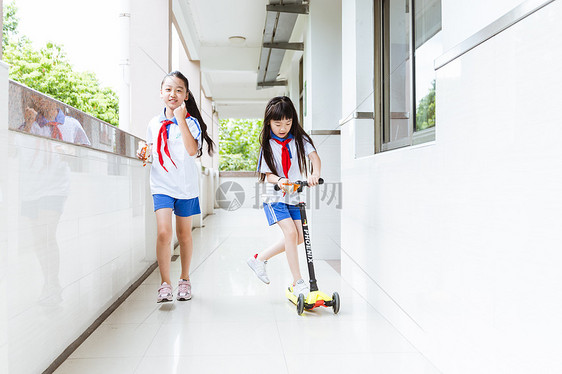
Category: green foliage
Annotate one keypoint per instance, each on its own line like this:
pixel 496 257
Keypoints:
pixel 48 71
pixel 425 114
pixel 239 144
pixel 10 24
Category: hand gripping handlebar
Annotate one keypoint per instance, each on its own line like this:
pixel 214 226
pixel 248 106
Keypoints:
pixel 299 184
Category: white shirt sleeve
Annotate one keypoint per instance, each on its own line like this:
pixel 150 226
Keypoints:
pixel 195 129
pixel 262 165
pixel 36 130
pixel 80 136
pixel 308 148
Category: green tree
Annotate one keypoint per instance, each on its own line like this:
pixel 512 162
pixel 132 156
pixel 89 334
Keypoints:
pixel 9 24
pixel 239 144
pixel 49 71
pixel 425 114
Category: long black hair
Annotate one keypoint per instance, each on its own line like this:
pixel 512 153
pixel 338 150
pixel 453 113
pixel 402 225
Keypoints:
pixel 192 109
pixel 279 108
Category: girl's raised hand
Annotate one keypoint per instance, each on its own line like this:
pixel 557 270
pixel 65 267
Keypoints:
pixel 180 112
pixel 29 117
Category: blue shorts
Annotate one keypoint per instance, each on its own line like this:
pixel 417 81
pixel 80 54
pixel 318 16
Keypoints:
pixel 181 207
pixel 276 212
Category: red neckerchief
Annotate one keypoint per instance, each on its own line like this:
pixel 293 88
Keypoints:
pixel 163 137
pixel 55 131
pixel 285 153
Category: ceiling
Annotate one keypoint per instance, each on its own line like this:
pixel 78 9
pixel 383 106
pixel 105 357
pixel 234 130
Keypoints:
pixel 229 72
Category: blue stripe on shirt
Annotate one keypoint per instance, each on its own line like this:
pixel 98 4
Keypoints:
pixel 259 160
pixel 198 127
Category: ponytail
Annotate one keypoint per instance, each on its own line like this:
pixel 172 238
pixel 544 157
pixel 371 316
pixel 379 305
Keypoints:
pixel 193 111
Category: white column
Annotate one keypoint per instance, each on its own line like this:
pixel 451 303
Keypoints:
pixel 149 35
pixel 124 63
pixel 323 78
pixel 5 219
pixel 1 23
pixel 4 82
pixel 323 50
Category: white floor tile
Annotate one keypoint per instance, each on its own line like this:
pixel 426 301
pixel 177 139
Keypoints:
pixel 146 291
pixel 384 363
pixel 237 324
pixel 205 308
pixel 138 311
pixel 330 334
pixel 4 361
pixel 216 338
pixel 214 364
pixel 125 340
pixel 119 365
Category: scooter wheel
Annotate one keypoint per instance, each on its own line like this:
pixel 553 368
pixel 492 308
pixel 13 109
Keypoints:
pixel 336 302
pixel 300 304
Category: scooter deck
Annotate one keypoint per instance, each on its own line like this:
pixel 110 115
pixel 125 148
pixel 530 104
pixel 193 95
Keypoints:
pixel 313 300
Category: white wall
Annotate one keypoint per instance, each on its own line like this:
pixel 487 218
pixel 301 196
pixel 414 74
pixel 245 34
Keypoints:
pixel 4 219
pixel 249 184
pixel 76 230
pixel 456 242
pixel 466 18
pixel 1 23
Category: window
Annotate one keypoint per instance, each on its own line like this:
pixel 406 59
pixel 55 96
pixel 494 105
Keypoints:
pixel 407 41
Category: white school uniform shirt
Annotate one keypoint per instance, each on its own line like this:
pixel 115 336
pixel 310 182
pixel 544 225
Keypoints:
pixel 71 130
pixel 294 173
pixel 181 182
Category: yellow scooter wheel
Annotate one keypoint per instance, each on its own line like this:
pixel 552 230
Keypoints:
pixel 300 304
pixel 336 302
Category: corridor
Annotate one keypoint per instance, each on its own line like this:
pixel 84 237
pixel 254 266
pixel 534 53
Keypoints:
pixel 236 324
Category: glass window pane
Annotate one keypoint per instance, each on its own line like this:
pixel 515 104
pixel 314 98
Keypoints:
pixel 428 47
pixel 397 70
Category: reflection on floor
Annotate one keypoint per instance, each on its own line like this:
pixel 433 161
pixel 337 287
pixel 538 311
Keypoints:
pixel 237 324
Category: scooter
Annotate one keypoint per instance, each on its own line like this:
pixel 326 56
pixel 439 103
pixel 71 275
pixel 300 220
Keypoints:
pixel 315 297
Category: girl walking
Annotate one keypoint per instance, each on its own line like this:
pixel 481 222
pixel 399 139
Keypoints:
pixel 284 149
pixel 175 139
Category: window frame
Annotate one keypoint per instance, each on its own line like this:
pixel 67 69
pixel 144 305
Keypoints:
pixel 381 56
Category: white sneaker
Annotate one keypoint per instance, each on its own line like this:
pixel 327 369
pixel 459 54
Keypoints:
pixel 259 268
pixel 301 287
pixel 184 290
pixel 165 293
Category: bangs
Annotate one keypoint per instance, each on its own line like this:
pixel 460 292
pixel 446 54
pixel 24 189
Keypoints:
pixel 176 74
pixel 281 110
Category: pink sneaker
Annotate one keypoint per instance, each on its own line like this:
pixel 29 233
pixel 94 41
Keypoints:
pixel 165 293
pixel 184 290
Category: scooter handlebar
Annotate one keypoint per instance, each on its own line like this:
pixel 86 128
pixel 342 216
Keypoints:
pixel 301 183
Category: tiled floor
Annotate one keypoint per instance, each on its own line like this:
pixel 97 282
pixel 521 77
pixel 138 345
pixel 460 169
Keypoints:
pixel 237 324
